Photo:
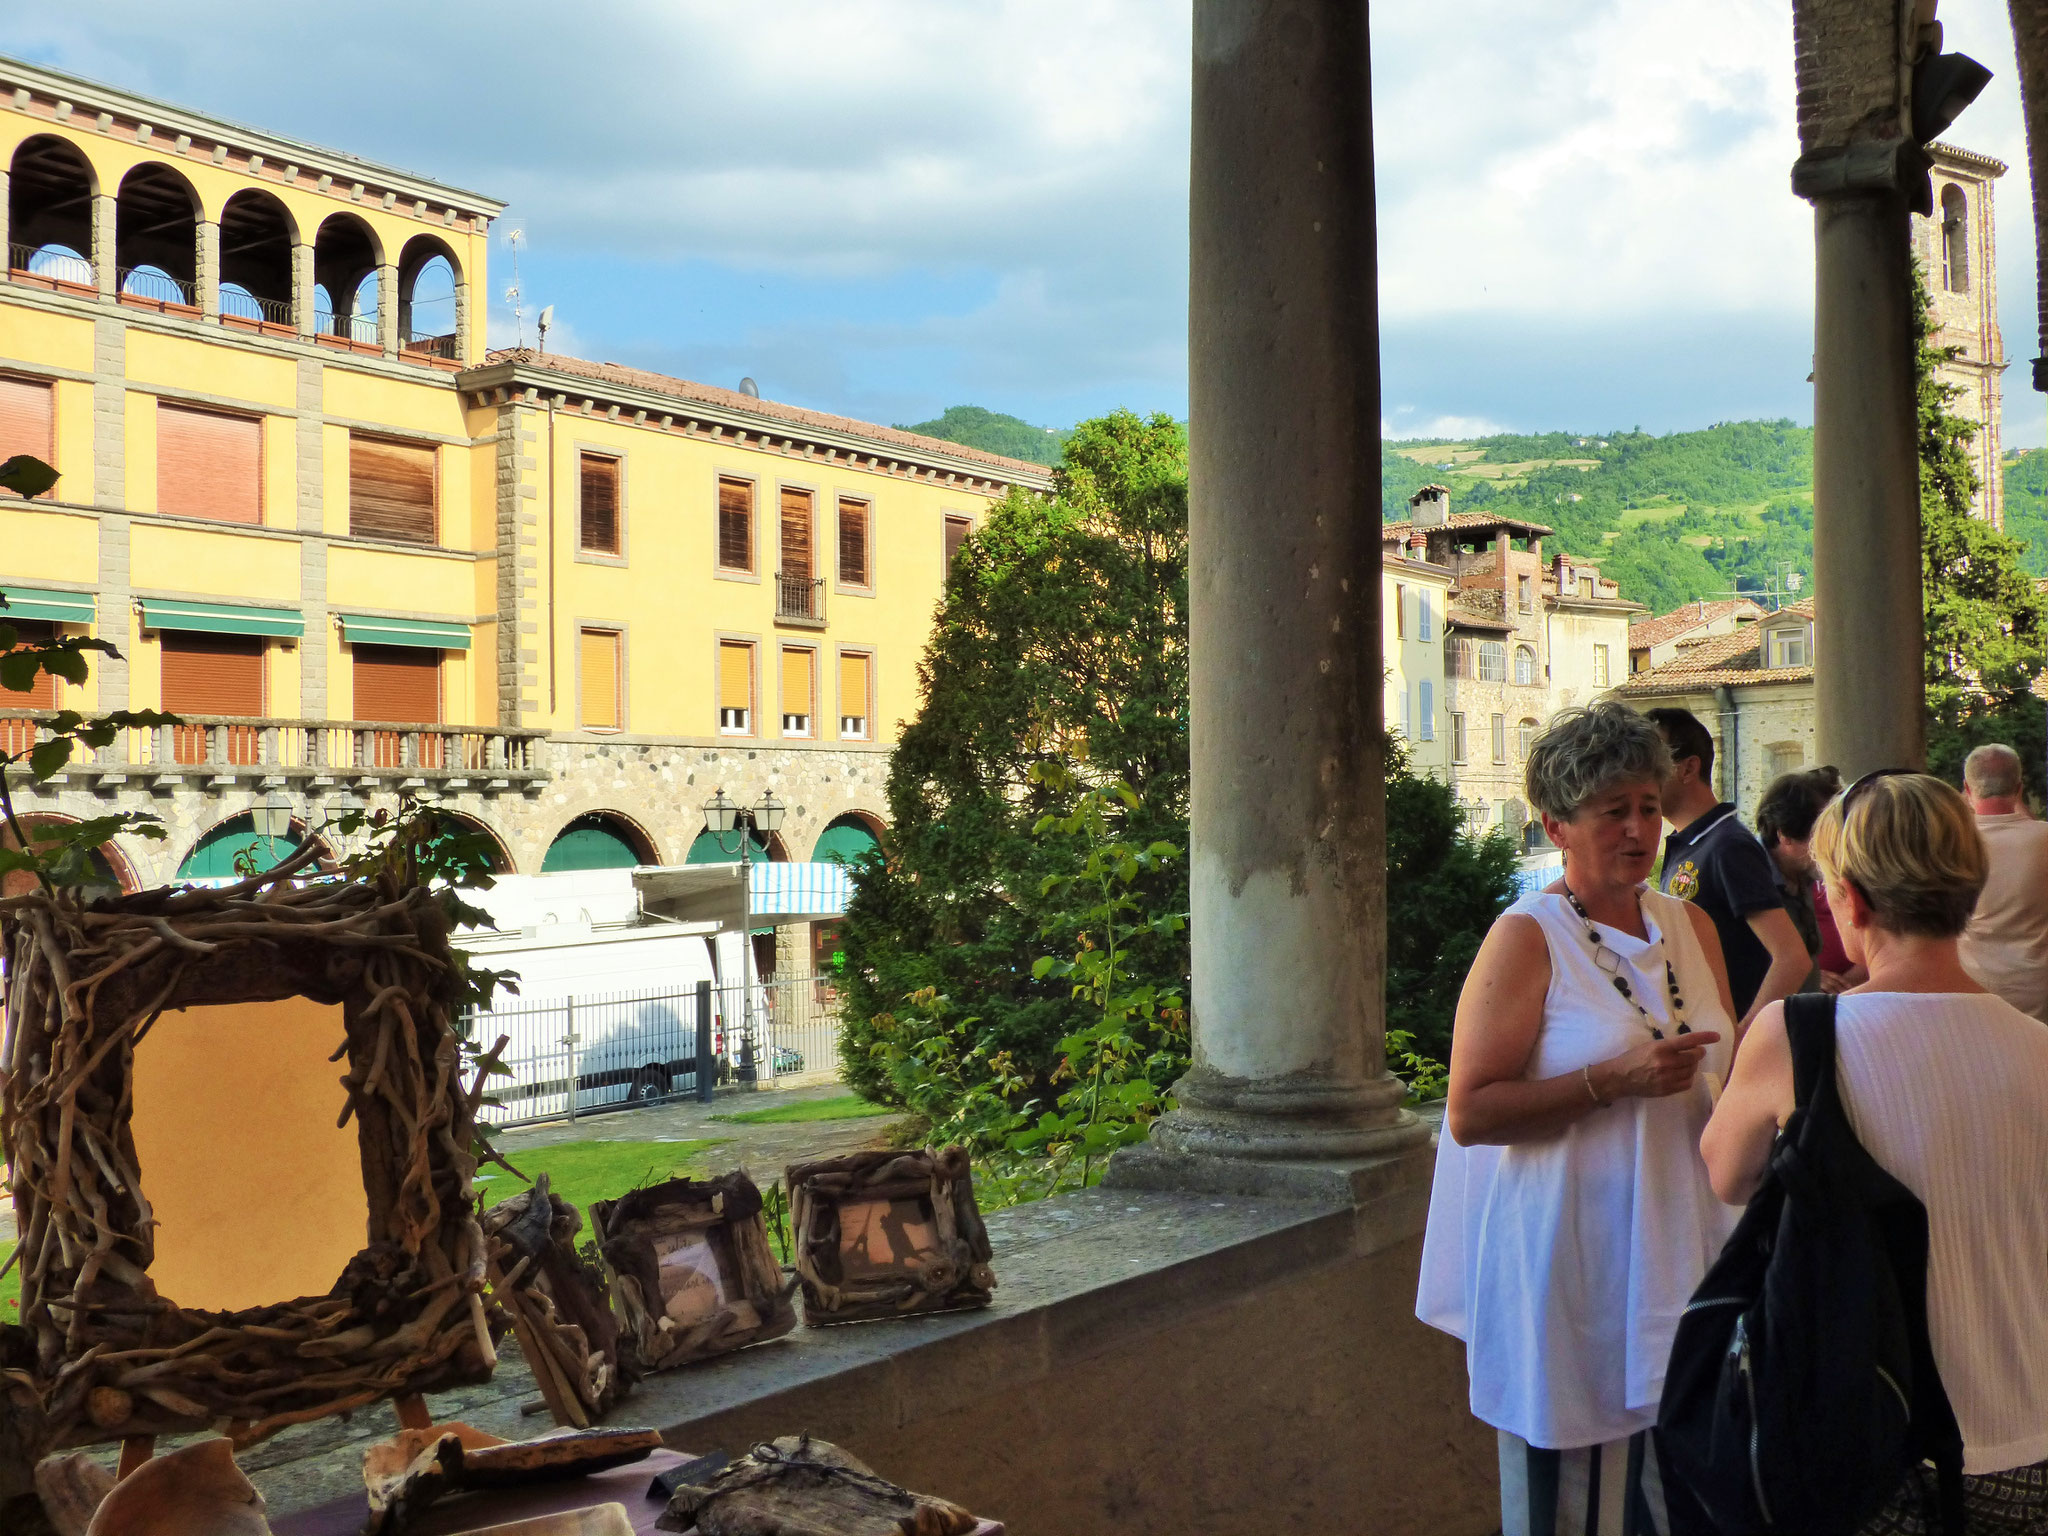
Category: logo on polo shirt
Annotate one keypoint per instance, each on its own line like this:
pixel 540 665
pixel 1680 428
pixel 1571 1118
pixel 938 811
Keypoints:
pixel 1685 881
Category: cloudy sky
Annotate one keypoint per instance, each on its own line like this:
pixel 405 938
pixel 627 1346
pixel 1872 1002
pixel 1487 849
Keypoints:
pixel 884 207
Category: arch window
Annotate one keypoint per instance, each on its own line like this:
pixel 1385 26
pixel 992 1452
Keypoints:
pixel 1525 738
pixel 1493 661
pixel 345 287
pixel 1525 667
pixel 215 855
pixel 1955 239
pixel 50 190
pixel 256 262
pixel 156 240
pixel 426 299
pixel 595 841
pixel 845 840
pixel 105 861
pixel 473 847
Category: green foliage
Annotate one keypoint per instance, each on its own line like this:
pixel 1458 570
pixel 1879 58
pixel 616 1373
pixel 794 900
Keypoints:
pixel 994 432
pixel 2026 506
pixel 59 853
pixel 844 1106
pixel 1063 634
pixel 1444 889
pixel 1986 620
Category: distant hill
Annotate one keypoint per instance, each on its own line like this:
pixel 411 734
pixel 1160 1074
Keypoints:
pixel 993 432
pixel 2026 505
pixel 1672 518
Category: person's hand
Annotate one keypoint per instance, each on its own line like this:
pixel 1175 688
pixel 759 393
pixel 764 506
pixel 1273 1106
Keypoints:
pixel 1834 983
pixel 1655 1069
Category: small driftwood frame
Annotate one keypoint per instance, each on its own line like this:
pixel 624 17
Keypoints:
pixel 560 1305
pixel 888 1234
pixel 691 1270
pixel 107 1357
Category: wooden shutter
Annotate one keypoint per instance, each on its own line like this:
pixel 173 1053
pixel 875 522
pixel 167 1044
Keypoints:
pixel 853 542
pixel 398 683
pixel 600 504
pixel 208 464
pixel 735 682
pixel 391 491
pixel 735 525
pixel 600 680
pixel 797 683
pixel 956 535
pixel 796 535
pixel 853 695
pixel 28 421
pixel 18 736
pixel 213 675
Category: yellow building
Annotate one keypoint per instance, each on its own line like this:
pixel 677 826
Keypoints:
pixel 1415 600
pixel 357 551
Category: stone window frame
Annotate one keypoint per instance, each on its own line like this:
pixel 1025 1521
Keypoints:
pixel 1532 680
pixel 782 713
pixel 622 630
pixel 867 499
pixel 1457 744
pixel 873 657
pixel 1500 737
pixel 719 640
pixel 578 448
pixel 754 479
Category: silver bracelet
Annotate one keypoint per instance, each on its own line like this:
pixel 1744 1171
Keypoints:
pixel 1586 1074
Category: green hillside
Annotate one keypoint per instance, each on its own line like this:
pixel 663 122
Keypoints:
pixel 1672 518
pixel 993 432
pixel 2026 505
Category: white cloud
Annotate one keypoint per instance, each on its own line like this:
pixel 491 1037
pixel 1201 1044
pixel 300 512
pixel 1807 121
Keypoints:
pixel 1405 424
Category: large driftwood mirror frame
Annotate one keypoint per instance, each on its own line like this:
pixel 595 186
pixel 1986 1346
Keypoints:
pixel 108 1357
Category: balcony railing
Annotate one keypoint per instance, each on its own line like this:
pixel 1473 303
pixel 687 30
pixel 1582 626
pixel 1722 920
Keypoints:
pixel 799 599
pixel 432 346
pixel 238 304
pixel 212 746
pixel 154 288
pixel 50 268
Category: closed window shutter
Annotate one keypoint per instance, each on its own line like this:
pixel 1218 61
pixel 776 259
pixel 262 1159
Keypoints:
pixel 400 684
pixel 796 535
pixel 735 525
pixel 17 736
pixel 208 465
pixel 956 535
pixel 600 504
pixel 213 675
pixel 391 491
pixel 600 680
pixel 28 421
pixel 853 543
pixel 735 687
pixel 853 696
pixel 796 689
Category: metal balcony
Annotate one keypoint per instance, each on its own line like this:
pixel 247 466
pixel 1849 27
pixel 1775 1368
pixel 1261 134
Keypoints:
pixel 799 599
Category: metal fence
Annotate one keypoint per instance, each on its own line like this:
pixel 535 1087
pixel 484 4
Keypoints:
pixel 569 1056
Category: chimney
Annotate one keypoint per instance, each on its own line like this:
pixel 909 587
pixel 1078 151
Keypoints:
pixel 1418 546
pixel 1567 583
pixel 1430 507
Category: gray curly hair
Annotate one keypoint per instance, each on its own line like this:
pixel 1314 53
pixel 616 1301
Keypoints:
pixel 1586 751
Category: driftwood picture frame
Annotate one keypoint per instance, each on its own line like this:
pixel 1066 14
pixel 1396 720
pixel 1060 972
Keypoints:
pixel 560 1305
pixel 888 1234
pixel 108 1357
pixel 691 1271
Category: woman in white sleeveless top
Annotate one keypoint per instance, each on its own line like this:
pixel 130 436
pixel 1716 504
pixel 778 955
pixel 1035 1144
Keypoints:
pixel 1946 1086
pixel 1571 1216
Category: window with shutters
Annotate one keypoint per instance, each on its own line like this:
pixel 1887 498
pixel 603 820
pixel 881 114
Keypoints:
pixel 855 518
pixel 1458 656
pixel 208 464
pixel 1525 594
pixel 799 690
pixel 1425 710
pixel 17 736
pixel 957 529
pixel 1525 666
pixel 856 695
pixel 1425 619
pixel 1500 738
pixel 1400 612
pixel 1525 738
pixel 212 675
pixel 399 685
pixel 600 705
pixel 798 594
pixel 735 688
pixel 600 522
pixel 1600 664
pixel 1457 737
pixel 735 525
pixel 391 490
pixel 28 422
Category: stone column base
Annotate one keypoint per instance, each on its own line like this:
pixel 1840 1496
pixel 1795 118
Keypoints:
pixel 1394 1185
pixel 1302 1117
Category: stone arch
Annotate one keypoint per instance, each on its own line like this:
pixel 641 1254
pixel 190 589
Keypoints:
pixel 1525 666
pixel 156 237
pixel 429 278
pixel 499 856
pixel 347 257
pixel 603 839
pixel 212 853
pixel 257 236
pixel 51 186
pixel 838 839
pixel 107 858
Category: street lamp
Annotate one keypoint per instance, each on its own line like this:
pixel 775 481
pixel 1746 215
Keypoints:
pixel 273 820
pixel 722 817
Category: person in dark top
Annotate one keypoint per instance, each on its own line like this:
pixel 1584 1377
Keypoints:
pixel 1784 824
pixel 1714 861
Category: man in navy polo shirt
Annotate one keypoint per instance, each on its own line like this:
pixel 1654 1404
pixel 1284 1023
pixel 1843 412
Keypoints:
pixel 1714 861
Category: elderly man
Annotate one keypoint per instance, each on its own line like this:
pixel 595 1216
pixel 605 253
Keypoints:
pixel 2006 945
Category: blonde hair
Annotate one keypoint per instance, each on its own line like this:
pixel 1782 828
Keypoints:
pixel 1910 847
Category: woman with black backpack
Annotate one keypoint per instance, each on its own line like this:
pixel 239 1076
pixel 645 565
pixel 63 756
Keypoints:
pixel 1946 1087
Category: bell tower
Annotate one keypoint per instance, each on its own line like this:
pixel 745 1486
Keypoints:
pixel 1957 247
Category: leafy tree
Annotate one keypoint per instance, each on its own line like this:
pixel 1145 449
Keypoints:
pixel 995 432
pixel 2026 506
pixel 1985 618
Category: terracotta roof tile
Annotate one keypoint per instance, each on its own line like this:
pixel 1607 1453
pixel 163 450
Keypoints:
pixel 1645 633
pixel 1733 659
pixel 711 394
pixel 1468 520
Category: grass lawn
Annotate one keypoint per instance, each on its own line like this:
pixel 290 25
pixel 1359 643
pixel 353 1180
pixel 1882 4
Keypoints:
pixel 845 1107
pixel 583 1171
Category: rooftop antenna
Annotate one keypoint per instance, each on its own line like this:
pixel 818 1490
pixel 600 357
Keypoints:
pixel 546 318
pixel 515 237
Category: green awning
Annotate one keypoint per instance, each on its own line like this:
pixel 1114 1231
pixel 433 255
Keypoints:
pixel 359 629
pixel 222 619
pixel 55 607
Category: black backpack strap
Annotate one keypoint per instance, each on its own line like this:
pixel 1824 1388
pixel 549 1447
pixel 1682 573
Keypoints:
pixel 1810 1029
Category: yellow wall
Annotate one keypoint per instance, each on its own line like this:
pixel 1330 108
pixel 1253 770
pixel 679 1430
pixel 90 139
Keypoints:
pixel 74 465
pixel 55 341
pixel 383 579
pixel 225 563
pixel 258 1196
pixel 212 368
pixel 47 546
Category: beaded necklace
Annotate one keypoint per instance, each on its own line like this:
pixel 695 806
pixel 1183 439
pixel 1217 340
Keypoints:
pixel 1610 962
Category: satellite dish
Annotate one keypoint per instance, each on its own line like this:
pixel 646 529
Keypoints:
pixel 750 388
pixel 547 318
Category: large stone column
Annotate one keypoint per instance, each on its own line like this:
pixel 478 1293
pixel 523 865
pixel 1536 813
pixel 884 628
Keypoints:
pixel 387 309
pixel 105 252
pixel 1868 635
pixel 208 273
pixel 1288 862
pixel 302 291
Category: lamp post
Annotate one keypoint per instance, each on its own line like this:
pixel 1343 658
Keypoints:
pixel 721 818
pixel 273 820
